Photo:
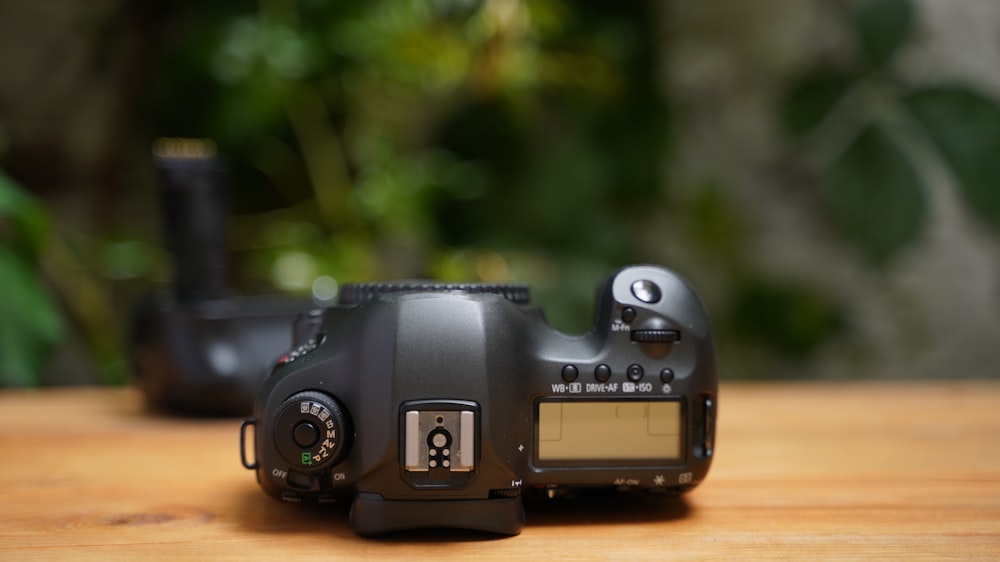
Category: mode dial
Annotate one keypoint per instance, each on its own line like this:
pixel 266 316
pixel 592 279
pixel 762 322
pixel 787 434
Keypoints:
pixel 358 293
pixel 312 430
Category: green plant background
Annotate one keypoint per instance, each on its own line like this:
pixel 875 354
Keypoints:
pixel 535 140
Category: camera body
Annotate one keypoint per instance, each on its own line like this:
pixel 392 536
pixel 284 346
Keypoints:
pixel 196 347
pixel 440 405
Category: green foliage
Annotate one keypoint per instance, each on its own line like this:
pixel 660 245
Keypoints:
pixel 787 318
pixel 467 139
pixel 812 98
pixel 881 27
pixel 428 138
pixel 716 224
pixel 964 126
pixel 778 319
pixel 874 193
pixel 29 322
pixel 25 223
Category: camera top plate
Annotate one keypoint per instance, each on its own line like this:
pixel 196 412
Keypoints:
pixel 359 293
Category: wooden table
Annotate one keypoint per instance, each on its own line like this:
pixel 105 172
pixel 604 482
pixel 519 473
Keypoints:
pixel 803 470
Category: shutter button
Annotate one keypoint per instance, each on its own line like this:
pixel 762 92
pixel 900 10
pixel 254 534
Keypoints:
pixel 646 291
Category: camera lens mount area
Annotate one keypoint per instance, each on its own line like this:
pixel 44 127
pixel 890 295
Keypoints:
pixel 360 293
pixel 312 430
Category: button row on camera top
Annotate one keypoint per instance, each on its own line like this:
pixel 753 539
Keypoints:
pixel 602 373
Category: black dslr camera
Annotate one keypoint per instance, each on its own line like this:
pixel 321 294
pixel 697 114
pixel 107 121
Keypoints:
pixel 440 405
pixel 197 347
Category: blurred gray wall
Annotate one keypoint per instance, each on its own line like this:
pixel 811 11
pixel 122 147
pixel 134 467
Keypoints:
pixel 934 310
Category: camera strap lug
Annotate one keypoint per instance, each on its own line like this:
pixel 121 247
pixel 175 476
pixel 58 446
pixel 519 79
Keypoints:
pixel 243 444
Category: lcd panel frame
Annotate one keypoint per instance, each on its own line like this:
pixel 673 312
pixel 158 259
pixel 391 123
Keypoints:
pixel 609 432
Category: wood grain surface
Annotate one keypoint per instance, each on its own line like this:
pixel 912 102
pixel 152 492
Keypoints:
pixel 803 471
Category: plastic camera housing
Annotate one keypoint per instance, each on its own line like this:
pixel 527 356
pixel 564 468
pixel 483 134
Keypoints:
pixel 196 347
pixel 440 405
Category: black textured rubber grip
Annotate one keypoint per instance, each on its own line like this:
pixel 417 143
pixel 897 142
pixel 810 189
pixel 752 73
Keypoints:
pixel 358 293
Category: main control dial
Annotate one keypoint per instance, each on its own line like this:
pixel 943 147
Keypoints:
pixel 312 430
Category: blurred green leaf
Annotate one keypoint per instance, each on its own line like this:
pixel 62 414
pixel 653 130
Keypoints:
pixel 793 320
pixel 405 45
pixel 811 99
pixel 717 223
pixel 882 26
pixel 26 217
pixel 126 259
pixel 875 196
pixel 965 126
pixel 29 323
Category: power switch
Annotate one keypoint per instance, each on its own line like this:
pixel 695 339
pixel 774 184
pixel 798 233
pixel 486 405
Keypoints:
pixel 301 480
